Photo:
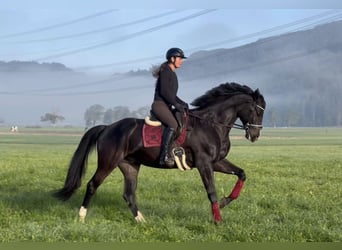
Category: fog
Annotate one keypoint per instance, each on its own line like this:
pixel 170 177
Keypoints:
pixel 28 96
pixel 299 75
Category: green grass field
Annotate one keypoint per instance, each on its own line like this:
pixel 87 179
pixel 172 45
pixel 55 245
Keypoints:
pixel 293 193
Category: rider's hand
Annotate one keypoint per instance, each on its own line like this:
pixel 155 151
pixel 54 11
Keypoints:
pixel 179 107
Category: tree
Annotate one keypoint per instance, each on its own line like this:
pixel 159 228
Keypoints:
pixel 115 114
pixel 292 117
pixel 52 117
pixel 108 116
pixel 93 114
pixel 273 117
pixel 121 112
pixel 141 112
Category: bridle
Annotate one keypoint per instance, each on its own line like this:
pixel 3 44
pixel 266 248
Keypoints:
pixel 249 125
pixel 246 127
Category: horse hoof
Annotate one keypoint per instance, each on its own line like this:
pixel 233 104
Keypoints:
pixel 217 222
pixel 140 218
pixel 216 213
pixel 82 214
pixel 170 164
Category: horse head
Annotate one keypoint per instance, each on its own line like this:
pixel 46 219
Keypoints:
pixel 251 115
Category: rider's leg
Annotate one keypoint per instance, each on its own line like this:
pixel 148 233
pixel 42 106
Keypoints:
pixel 164 114
pixel 165 155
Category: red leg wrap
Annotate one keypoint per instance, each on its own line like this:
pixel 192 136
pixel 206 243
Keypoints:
pixel 216 212
pixel 237 189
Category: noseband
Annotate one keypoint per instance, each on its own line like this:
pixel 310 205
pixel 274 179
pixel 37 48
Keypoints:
pixel 249 125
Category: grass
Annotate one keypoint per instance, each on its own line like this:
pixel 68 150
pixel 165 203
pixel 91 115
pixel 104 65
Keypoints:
pixel 292 193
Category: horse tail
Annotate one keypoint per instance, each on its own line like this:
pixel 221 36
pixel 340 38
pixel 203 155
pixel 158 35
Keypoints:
pixel 78 163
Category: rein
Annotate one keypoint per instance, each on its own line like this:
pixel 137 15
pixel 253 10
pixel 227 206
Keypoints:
pixel 235 125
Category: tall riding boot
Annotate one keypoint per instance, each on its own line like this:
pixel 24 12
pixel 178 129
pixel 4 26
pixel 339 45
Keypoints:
pixel 165 155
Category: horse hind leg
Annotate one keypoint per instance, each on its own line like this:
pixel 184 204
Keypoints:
pixel 92 186
pixel 104 168
pixel 130 172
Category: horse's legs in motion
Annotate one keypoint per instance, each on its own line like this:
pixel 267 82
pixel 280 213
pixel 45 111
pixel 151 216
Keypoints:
pixel 226 167
pixel 104 167
pixel 207 175
pixel 130 172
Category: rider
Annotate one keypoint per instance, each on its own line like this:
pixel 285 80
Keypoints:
pixel 165 97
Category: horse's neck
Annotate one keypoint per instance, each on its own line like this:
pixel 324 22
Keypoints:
pixel 224 114
pixel 227 111
pixel 218 115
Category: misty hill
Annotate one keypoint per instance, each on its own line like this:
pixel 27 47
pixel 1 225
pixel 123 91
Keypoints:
pixel 324 40
pixel 299 74
pixel 19 66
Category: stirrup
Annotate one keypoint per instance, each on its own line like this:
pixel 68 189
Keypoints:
pixel 167 161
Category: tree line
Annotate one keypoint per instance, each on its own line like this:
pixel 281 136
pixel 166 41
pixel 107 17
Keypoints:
pixel 97 114
pixel 305 114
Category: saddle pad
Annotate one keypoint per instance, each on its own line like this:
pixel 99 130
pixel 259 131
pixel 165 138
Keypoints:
pixel 152 136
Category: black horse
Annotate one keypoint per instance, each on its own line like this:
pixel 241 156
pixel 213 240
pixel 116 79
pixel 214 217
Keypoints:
pixel 206 146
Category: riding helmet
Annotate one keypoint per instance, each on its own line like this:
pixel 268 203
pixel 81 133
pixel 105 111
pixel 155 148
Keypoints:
pixel 175 52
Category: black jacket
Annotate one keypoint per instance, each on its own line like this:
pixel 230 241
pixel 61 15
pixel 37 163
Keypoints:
pixel 167 88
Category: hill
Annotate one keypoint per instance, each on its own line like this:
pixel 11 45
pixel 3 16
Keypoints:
pixel 299 74
pixel 19 66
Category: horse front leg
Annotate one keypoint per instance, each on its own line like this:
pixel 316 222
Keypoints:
pixel 226 167
pixel 207 175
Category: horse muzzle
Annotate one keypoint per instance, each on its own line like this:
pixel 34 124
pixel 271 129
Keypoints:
pixel 251 137
pixel 252 132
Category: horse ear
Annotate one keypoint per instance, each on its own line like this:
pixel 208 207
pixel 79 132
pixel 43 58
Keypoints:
pixel 256 94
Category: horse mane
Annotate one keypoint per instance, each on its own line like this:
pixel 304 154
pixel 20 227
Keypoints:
pixel 224 90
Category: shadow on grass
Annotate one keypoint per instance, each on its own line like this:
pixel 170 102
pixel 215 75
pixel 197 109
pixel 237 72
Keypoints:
pixel 42 202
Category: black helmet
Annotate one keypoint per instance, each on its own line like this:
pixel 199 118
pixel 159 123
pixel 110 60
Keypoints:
pixel 176 52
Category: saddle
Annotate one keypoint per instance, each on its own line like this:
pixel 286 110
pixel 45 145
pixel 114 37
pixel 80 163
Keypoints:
pixel 152 134
pixel 153 130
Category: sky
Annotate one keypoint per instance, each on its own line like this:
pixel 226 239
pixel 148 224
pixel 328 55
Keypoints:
pixel 104 37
